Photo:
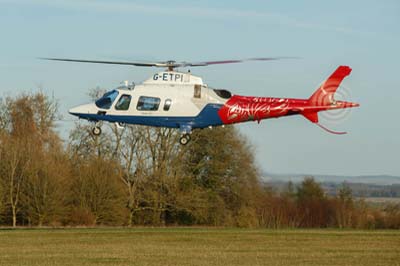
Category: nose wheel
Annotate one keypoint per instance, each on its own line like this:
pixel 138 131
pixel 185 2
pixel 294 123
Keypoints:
pixel 96 131
pixel 185 138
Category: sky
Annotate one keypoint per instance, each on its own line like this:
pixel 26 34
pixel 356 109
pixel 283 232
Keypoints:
pixel 324 34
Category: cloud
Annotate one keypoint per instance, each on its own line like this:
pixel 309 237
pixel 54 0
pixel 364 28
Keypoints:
pixel 180 11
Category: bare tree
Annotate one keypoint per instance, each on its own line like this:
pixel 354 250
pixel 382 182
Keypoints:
pixel 14 168
pixel 17 149
pixel 131 158
pixel 27 135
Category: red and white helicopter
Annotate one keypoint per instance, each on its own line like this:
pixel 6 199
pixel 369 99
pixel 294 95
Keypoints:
pixel 181 100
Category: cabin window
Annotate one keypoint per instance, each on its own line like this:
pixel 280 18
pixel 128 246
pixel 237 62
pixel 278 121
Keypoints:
pixel 107 99
pixel 146 103
pixel 167 104
pixel 123 102
pixel 197 91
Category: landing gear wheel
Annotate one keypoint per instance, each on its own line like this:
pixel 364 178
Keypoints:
pixel 96 131
pixel 184 139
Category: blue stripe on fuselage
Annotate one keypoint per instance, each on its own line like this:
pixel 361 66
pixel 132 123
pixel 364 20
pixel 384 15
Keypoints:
pixel 207 117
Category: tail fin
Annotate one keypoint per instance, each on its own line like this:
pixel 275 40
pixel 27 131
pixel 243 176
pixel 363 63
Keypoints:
pixel 324 95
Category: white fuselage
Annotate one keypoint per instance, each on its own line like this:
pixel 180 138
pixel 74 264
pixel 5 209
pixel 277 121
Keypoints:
pixel 179 95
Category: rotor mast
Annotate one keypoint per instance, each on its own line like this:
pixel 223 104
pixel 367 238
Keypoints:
pixel 171 65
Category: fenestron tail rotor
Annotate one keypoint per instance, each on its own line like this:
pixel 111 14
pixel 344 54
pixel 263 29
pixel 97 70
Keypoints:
pixel 170 64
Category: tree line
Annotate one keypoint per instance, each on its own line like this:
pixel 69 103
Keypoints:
pixel 141 176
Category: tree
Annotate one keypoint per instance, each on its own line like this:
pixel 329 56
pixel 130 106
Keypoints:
pixel 221 163
pixel 312 203
pixel 160 176
pixel 155 161
pixel 131 159
pixel 16 149
pixel 27 135
pixel 344 207
pixel 2 189
pixel 96 195
pixel 45 189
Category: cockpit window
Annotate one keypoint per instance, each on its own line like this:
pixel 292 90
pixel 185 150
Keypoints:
pixel 123 102
pixel 223 94
pixel 106 101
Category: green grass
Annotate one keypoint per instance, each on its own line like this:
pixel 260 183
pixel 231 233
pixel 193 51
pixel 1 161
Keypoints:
pixel 193 246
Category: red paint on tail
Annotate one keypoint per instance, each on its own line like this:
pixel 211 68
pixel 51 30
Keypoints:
pixel 245 108
pixel 324 94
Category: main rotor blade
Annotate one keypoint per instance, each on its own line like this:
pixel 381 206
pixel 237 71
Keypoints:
pixel 169 64
pixel 206 63
pixel 143 64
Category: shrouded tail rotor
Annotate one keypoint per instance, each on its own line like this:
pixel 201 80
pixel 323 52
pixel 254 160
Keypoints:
pixel 323 98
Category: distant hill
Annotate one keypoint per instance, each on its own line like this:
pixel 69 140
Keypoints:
pixel 363 179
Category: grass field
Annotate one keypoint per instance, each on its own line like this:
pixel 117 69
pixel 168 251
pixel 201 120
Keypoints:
pixel 194 246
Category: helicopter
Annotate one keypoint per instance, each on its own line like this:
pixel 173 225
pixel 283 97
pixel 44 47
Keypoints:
pixel 176 99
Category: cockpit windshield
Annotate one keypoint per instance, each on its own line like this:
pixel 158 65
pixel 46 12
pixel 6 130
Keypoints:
pixel 107 99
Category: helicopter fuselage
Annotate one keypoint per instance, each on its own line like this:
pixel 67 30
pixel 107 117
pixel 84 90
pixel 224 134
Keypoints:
pixel 181 100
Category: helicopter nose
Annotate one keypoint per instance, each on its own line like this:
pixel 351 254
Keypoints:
pixel 74 110
pixel 83 109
